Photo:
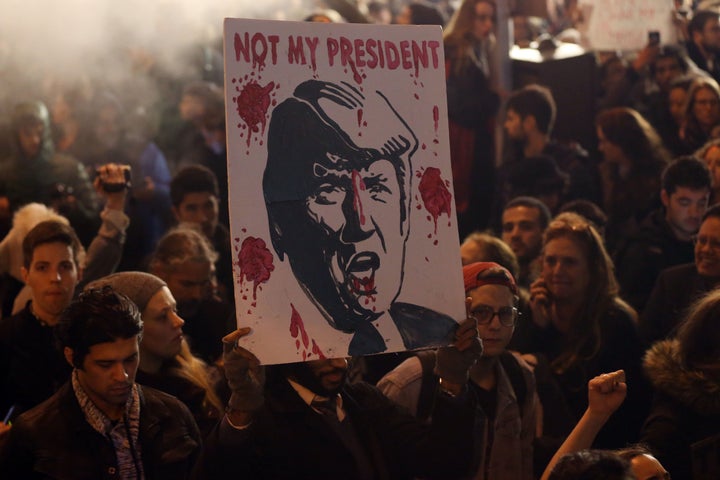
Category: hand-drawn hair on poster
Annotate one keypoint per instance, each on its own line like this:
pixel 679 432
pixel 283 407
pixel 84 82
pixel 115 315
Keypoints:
pixel 338 204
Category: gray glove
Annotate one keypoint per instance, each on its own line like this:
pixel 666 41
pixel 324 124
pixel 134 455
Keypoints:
pixel 245 376
pixel 453 363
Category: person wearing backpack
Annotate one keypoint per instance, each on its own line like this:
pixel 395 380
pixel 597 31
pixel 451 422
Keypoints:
pixel 502 382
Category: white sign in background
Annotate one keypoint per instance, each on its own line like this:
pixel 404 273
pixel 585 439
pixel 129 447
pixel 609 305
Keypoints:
pixel 398 75
pixel 624 24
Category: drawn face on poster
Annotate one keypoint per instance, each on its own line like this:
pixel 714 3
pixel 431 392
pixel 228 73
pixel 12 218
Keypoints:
pixel 338 186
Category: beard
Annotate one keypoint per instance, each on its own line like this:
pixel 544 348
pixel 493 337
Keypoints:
pixel 302 374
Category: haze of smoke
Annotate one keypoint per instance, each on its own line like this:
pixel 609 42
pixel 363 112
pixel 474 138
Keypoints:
pixel 72 41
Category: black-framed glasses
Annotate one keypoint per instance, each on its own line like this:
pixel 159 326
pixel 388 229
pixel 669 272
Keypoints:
pixel 484 314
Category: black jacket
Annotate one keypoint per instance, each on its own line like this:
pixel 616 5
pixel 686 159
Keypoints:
pixel 31 368
pixel 287 439
pixel 54 441
pixel 684 422
pixel 640 258
pixel 675 290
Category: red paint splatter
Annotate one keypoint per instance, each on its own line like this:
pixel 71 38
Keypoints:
pixel 435 195
pixel 252 106
pixel 244 230
pixel 356 75
pixel 436 117
pixel 358 186
pixel 316 350
pixel 255 262
pixel 424 146
pixel 364 285
pixel 360 115
pixel 297 327
pixel 417 97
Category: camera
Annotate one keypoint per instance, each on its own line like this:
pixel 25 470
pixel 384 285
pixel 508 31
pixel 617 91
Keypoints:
pixel 113 187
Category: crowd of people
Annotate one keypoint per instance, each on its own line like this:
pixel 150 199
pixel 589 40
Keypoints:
pixel 591 347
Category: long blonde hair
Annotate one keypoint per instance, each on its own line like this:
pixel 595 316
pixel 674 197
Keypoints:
pixel 193 369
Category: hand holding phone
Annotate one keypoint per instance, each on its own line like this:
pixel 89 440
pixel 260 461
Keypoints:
pixel 540 302
pixel 653 37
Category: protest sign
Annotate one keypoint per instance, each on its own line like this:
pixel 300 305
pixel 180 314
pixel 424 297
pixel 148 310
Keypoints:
pixel 342 213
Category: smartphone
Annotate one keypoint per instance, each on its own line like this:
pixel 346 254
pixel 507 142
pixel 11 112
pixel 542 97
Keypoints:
pixel 654 37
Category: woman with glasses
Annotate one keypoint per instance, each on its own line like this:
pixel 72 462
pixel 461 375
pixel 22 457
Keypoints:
pixel 580 328
pixel 702 113
pixel 502 383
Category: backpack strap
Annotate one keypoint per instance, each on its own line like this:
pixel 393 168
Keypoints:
pixel 428 385
pixel 517 379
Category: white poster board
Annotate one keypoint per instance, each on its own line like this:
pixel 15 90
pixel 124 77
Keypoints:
pixel 624 24
pixel 341 202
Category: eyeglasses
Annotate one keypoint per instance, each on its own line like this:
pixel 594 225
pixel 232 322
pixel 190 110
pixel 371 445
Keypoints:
pixel 484 314
pixel 703 241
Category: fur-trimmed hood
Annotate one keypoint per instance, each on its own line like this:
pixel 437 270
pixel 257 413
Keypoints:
pixel 24 220
pixel 693 388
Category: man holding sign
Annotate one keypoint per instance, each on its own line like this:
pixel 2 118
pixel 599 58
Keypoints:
pixel 303 420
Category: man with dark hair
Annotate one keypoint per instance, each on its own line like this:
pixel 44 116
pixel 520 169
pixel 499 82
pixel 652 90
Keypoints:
pixel 195 200
pixel 651 95
pixel 592 465
pixel 101 424
pixel 523 222
pixel 305 420
pixel 664 238
pixel 338 204
pixel 53 269
pixel 678 287
pixel 30 368
pixel 529 121
pixel 704 43
pixel 669 64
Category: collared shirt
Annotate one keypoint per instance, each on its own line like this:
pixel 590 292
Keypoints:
pixel 308 396
pixel 123 433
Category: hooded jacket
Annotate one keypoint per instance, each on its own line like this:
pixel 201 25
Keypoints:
pixel 685 412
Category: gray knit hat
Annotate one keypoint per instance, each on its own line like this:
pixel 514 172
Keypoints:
pixel 137 286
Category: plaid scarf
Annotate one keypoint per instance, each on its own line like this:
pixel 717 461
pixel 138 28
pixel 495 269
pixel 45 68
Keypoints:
pixel 126 449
